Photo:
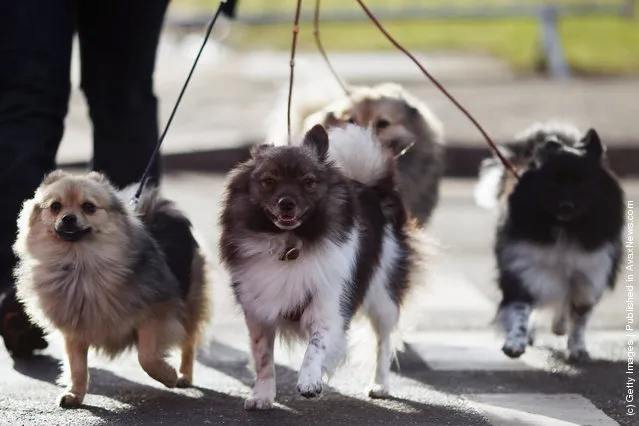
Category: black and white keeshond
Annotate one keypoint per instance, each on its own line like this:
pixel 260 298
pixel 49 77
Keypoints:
pixel 558 242
pixel 311 234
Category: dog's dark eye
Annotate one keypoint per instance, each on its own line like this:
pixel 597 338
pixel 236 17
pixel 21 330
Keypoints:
pixel 310 183
pixel 382 124
pixel 268 183
pixel 56 207
pixel 89 208
pixel 352 120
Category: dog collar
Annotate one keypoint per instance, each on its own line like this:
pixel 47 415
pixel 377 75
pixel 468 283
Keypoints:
pixel 290 254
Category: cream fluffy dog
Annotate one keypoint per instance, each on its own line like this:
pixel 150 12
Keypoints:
pixel 111 276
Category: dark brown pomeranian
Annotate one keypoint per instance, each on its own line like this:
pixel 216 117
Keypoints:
pixel 110 276
pixel 404 125
pixel 311 234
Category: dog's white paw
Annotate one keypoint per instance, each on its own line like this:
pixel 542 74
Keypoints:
pixel 70 400
pixel 577 351
pixel 514 348
pixel 263 395
pixel 560 326
pixel 578 355
pixel 309 384
pixel 379 391
pixel 258 403
pixel 184 381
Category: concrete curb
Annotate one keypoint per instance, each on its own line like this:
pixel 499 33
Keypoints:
pixel 462 160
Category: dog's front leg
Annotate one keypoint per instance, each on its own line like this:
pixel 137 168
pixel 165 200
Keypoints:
pixel 77 351
pixel 262 344
pixel 325 348
pixel 515 317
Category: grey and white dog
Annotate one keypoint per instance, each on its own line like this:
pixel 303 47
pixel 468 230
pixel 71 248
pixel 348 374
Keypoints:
pixel 558 243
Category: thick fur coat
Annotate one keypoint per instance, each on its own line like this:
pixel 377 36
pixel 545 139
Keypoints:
pixel 111 276
pixel 311 234
pixel 558 243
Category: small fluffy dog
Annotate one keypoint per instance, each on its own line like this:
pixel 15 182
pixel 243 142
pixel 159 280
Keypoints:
pixel 310 234
pixel 111 276
pixel 404 125
pixel 559 241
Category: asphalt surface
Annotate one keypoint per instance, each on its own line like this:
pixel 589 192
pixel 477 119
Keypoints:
pixel 451 371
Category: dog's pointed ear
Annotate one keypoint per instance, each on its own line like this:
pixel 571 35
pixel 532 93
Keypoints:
pixel 317 140
pixel 592 145
pixel 100 178
pixel 53 176
pixel 256 150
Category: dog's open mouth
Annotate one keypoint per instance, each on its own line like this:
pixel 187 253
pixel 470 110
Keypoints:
pixel 72 235
pixel 287 222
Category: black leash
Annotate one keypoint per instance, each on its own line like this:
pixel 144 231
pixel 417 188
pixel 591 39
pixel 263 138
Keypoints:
pixel 145 176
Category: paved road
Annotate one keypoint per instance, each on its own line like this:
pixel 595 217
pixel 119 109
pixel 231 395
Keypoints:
pixel 450 373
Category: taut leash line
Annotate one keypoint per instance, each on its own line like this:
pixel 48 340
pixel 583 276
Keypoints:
pixel 503 159
pixel 145 176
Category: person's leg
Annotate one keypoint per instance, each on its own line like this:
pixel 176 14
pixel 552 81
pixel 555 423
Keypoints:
pixel 35 54
pixel 118 43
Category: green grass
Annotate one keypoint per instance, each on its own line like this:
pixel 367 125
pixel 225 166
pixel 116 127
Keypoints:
pixel 593 45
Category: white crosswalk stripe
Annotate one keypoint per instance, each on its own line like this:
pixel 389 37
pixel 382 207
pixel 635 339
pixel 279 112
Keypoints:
pixel 476 351
pixel 539 409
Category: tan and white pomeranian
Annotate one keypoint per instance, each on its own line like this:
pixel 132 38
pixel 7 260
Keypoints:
pixel 111 276
pixel 401 122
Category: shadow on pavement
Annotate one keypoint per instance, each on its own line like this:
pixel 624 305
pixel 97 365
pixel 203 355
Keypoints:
pixel 332 407
pixel 141 400
pixel 600 380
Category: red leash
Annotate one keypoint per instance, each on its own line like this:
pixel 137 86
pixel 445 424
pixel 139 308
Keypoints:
pixel 395 43
pixel 296 29
pixel 504 161
pixel 320 47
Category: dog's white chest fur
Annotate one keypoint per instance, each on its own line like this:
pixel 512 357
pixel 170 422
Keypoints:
pixel 269 288
pixel 549 273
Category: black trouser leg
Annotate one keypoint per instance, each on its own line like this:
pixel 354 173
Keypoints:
pixel 35 53
pixel 118 43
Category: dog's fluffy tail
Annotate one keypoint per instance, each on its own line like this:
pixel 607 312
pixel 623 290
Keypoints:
pixel 360 155
pixel 490 184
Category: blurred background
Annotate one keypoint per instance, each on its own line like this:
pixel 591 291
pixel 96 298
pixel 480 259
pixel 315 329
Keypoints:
pixel 510 62
pixel 599 37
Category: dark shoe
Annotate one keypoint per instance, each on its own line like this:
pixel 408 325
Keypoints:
pixel 21 336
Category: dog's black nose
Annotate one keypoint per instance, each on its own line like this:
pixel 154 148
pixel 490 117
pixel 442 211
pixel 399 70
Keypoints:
pixel 286 204
pixel 69 219
pixel 566 208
